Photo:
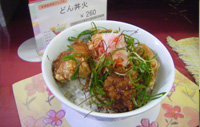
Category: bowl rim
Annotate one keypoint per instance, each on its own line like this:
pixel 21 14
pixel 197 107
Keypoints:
pixel 98 114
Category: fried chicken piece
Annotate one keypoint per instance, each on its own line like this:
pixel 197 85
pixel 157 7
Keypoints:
pixel 63 70
pixel 121 90
pixel 154 64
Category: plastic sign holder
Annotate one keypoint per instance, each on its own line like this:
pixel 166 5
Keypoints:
pixel 50 17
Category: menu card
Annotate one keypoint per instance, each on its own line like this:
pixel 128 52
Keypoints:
pixel 51 17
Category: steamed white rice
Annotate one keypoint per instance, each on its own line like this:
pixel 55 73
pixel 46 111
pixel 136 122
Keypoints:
pixel 73 91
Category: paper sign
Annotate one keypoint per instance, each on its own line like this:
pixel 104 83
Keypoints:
pixel 51 17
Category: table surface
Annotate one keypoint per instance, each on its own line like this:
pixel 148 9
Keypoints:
pixel 157 17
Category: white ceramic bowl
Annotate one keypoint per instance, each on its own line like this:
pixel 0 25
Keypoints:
pixel 164 79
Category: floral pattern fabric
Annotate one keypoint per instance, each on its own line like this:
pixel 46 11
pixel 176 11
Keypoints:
pixel 38 107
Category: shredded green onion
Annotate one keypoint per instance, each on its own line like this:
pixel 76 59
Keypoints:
pixel 139 64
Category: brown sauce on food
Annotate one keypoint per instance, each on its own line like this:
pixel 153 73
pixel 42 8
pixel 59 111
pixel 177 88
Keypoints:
pixel 120 89
pixel 118 86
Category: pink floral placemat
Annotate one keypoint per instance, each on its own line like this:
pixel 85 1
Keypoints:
pixel 37 106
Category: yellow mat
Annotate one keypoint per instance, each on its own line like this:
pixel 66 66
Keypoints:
pixel 37 106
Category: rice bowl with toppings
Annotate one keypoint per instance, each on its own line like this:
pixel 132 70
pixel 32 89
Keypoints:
pixel 114 60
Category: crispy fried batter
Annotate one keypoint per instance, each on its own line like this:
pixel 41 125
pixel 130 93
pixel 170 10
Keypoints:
pixel 154 64
pixel 119 87
pixel 121 90
pixel 63 70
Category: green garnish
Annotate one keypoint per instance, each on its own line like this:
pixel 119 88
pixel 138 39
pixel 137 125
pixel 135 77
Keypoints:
pixel 87 34
pixel 135 59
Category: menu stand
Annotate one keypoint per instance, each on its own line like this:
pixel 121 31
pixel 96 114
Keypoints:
pixel 27 51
